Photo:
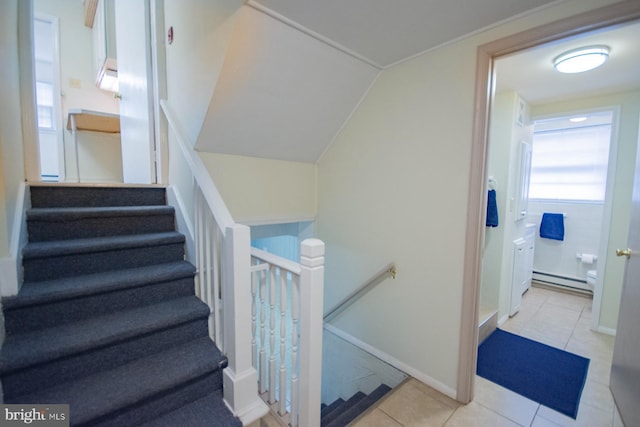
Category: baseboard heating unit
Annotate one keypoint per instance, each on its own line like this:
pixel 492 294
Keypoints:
pixel 564 282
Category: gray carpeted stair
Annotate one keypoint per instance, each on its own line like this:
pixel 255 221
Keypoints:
pixel 340 413
pixel 106 319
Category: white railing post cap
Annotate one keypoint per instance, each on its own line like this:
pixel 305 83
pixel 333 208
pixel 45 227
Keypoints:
pixel 312 248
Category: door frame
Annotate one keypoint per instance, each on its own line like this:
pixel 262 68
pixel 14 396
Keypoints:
pixel 607 16
pixel 57 103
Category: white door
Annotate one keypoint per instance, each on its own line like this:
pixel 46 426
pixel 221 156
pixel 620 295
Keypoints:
pixel 134 79
pixel 47 75
pixel 625 368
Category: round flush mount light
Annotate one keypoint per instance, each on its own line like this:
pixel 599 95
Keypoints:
pixel 582 59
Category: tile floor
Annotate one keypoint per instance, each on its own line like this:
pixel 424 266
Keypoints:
pixel 554 318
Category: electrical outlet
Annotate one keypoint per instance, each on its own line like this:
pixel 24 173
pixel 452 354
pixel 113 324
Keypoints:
pixel 75 83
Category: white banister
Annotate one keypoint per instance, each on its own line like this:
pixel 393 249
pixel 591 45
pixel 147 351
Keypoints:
pixel 290 299
pixel 222 257
pixel 265 311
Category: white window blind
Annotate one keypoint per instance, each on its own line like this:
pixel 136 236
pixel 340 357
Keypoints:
pixel 570 163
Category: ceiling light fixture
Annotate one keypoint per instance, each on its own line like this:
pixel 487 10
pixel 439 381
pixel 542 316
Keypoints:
pixel 582 59
pixel 577 119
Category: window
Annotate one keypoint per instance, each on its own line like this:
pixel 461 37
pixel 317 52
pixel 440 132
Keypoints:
pixel 44 99
pixel 570 157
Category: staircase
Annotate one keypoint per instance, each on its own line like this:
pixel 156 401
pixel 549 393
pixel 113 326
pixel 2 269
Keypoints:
pixel 341 412
pixel 107 320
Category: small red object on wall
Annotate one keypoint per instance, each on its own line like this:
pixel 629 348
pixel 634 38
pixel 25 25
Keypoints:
pixel 170 35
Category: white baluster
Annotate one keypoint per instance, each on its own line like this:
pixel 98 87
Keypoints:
pixel 282 404
pixel 263 341
pixel 216 279
pixel 273 284
pixel 207 267
pixel 295 309
pixel 197 212
pixel 254 317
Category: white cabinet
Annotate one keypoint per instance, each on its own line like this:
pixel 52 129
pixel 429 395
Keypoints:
pixel 519 275
pixel 104 46
pixel 522 273
pixel 530 247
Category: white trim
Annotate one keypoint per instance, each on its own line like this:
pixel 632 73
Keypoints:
pixel 387 358
pixel 607 219
pixel 293 24
pixel 10 267
pixel 159 78
pixel 255 221
pixel 502 320
pixel 183 221
pixel 606 331
pixel 28 92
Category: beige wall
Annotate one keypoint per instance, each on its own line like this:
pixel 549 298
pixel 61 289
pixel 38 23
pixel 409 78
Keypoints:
pixel 393 187
pixel 11 157
pixel 259 191
pixel 624 167
pixel 202 29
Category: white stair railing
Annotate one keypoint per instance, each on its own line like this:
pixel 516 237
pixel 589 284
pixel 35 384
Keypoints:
pixel 223 261
pixel 223 258
pixel 286 323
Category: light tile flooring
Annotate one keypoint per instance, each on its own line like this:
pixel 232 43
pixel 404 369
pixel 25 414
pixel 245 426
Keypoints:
pixel 554 318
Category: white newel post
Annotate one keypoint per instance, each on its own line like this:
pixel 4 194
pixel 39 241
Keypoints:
pixel 311 311
pixel 240 379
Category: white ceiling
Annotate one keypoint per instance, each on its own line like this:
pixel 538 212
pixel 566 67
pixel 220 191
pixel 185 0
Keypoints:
pixel 531 72
pixel 296 69
pixel 384 32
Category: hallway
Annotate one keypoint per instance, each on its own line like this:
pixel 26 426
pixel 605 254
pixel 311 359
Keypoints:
pixel 554 318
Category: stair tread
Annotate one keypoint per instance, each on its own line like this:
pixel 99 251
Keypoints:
pixel 27 349
pixel 331 407
pixel 350 413
pixel 98 244
pixel 48 291
pixel 342 407
pixel 63 195
pixel 100 394
pixel 204 412
pixel 71 213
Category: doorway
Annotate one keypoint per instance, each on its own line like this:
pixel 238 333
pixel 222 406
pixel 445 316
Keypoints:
pixel 598 19
pixel 48 103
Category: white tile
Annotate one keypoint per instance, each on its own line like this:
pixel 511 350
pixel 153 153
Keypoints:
pixel 476 415
pixel 505 402
pixel 409 405
pixel 588 416
pixel 376 418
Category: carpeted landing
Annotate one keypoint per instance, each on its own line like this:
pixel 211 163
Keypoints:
pixel 106 319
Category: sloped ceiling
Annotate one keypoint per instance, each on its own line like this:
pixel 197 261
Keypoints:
pixel 281 94
pixel 384 32
pixel 296 69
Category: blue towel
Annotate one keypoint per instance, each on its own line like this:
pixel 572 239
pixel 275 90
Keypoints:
pixel 492 209
pixel 552 226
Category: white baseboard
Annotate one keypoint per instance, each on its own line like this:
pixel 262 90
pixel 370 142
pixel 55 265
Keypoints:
pixel 415 373
pixel 503 319
pixel 606 331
